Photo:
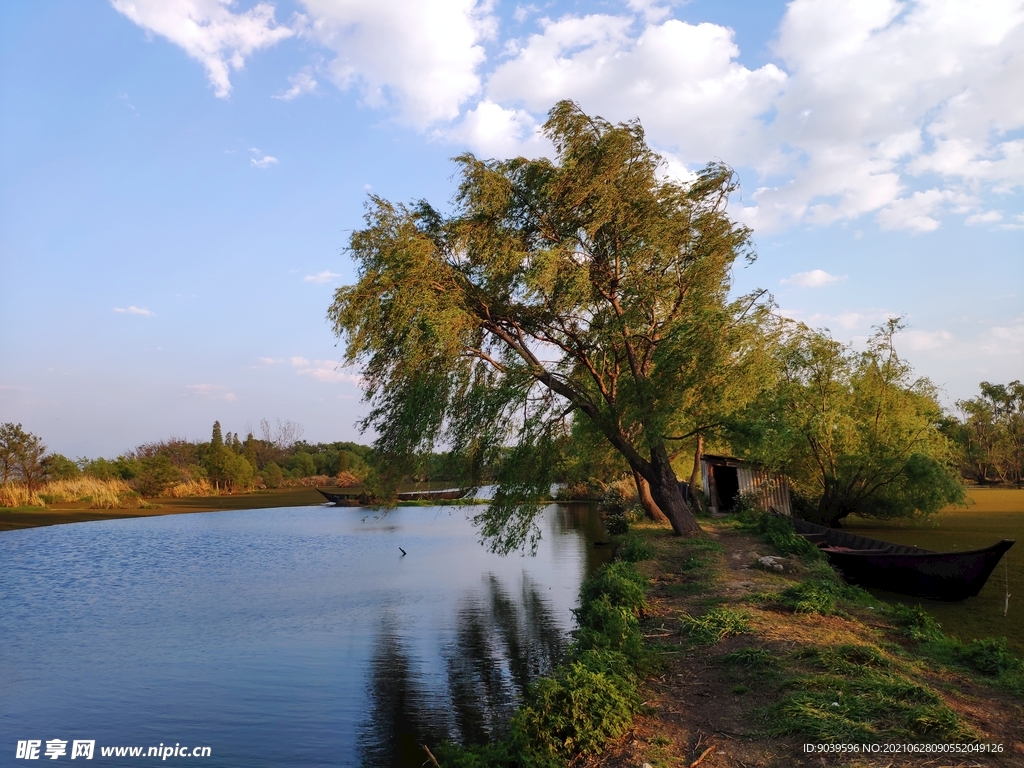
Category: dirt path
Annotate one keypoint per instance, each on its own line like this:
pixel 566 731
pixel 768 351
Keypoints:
pixel 715 705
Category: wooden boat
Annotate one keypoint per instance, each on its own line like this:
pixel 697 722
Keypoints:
pixel 359 499
pixel 903 569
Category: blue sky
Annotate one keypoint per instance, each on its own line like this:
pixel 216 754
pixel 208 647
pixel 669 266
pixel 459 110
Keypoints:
pixel 178 178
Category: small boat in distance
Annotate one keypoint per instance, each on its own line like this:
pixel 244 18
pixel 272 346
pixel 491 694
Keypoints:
pixel 948 576
pixel 362 499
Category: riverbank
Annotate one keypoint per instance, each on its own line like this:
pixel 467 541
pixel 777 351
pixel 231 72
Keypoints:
pixel 78 512
pixel 747 680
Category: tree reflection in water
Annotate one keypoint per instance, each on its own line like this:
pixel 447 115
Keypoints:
pixel 500 645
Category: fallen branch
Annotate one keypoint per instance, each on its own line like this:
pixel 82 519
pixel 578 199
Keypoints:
pixel 430 755
pixel 703 754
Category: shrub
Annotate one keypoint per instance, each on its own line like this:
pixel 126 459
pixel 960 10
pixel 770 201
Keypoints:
pixel 989 656
pixel 621 582
pixel 915 623
pixel 616 524
pixel 578 710
pixel 272 475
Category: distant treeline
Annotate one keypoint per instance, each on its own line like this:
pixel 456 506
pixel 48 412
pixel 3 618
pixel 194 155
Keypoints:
pixel 227 463
pixel 988 432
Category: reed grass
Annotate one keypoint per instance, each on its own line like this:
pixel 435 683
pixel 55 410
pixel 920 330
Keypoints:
pixel 98 494
pixel 190 488
pixel 17 495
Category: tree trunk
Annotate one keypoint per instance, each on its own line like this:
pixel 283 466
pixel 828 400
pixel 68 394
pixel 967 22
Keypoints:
pixel 643 489
pixel 669 498
pixel 697 455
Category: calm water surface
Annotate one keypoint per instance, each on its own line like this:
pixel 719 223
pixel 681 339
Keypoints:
pixel 296 636
pixel 989 521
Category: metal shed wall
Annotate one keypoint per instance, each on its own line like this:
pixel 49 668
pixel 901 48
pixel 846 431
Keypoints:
pixel 772 490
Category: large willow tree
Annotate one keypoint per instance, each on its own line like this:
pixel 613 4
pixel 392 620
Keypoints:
pixel 590 287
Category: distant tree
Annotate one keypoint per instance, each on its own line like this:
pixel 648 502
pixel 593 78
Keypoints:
pixel 21 456
pixel 302 464
pixel 101 469
pixel 272 475
pixel 156 474
pixel 58 467
pixel 12 438
pixel 854 431
pixel 577 289
pixel 218 458
pixel 990 433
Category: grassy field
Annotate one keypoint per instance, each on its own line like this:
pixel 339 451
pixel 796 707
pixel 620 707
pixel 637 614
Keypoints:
pixel 993 500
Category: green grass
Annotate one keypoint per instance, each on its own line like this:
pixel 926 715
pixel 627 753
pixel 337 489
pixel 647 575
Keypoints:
pixel 855 693
pixel 715 625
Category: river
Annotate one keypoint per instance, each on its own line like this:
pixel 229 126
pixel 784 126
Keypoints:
pixel 299 636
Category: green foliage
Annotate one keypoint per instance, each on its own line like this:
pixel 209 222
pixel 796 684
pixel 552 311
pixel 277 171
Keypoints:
pixel 855 432
pixel 577 711
pixel 616 524
pixel 622 271
pixel 21 456
pixel 588 700
pixel 635 549
pixel 915 623
pixel 302 464
pixel 715 625
pixel 621 583
pixel 155 475
pixel 272 475
pixel 989 433
pixel 101 469
pixel 58 467
pixel 988 656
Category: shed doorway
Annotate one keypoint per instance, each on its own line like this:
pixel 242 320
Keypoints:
pixel 727 485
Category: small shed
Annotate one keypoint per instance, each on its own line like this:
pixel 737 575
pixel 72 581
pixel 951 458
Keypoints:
pixel 724 478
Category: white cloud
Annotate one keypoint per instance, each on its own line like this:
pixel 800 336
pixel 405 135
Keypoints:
pixel 325 370
pixel 302 83
pixel 1005 340
pixel 211 390
pixel 850 321
pixel 209 31
pixel 988 217
pixel 269 360
pixel 321 277
pixel 919 341
pixel 421 58
pixel 816 278
pixel 901 109
pixel 264 162
pixel 133 310
pixel 682 79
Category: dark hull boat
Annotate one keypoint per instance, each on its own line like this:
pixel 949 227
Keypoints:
pixel 363 500
pixel 906 570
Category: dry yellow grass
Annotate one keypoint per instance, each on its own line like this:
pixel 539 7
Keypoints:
pixel 17 495
pixel 99 494
pixel 190 488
